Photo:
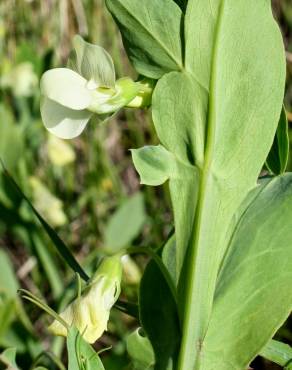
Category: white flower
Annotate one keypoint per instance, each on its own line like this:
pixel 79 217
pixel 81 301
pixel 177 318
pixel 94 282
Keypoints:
pixel 71 96
pixel 90 312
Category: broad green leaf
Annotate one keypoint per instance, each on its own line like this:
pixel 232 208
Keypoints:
pixel 179 115
pixel 140 350
pixel 279 154
pixel 63 122
pixel 201 32
pixel 60 246
pixel 151 32
pixel 253 294
pixel 279 353
pixel 125 224
pixel 184 197
pixel 159 317
pixel 229 53
pixel 81 356
pixel 8 358
pixel 154 164
pixel 93 63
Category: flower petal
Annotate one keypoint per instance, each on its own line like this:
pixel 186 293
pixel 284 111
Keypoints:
pixel 66 87
pixel 93 63
pixel 63 122
pixel 89 313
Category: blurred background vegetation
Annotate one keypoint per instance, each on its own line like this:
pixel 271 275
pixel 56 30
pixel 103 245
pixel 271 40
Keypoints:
pixel 86 189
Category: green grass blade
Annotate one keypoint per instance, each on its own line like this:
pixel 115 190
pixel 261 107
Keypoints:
pixel 62 249
pixel 279 353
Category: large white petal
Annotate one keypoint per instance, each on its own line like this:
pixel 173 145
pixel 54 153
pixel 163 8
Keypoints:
pixel 93 63
pixel 63 122
pixel 66 87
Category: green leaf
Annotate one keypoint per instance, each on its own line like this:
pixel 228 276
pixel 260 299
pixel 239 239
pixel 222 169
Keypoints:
pixel 8 358
pixel 253 294
pixel 159 317
pixel 151 33
pixel 279 154
pixel 184 197
pixel 62 249
pixel 140 350
pixel 81 356
pixel 154 164
pixel 279 353
pixel 180 125
pixel 169 258
pixel 228 52
pixel 179 115
pixel 125 224
pixel 93 63
pixel 8 280
pixel 8 311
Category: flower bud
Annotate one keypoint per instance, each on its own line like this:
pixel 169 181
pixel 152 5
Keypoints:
pixel 131 271
pixel 90 312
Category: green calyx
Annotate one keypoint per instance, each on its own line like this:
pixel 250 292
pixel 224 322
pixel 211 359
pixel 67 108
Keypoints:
pixel 109 100
pixel 144 97
pixel 110 268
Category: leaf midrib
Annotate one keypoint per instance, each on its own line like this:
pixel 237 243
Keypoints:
pixel 196 250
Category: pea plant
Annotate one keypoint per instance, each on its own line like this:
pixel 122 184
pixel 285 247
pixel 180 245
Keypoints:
pixel 214 295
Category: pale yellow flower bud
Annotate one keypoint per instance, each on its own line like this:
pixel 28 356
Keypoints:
pixel 90 312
